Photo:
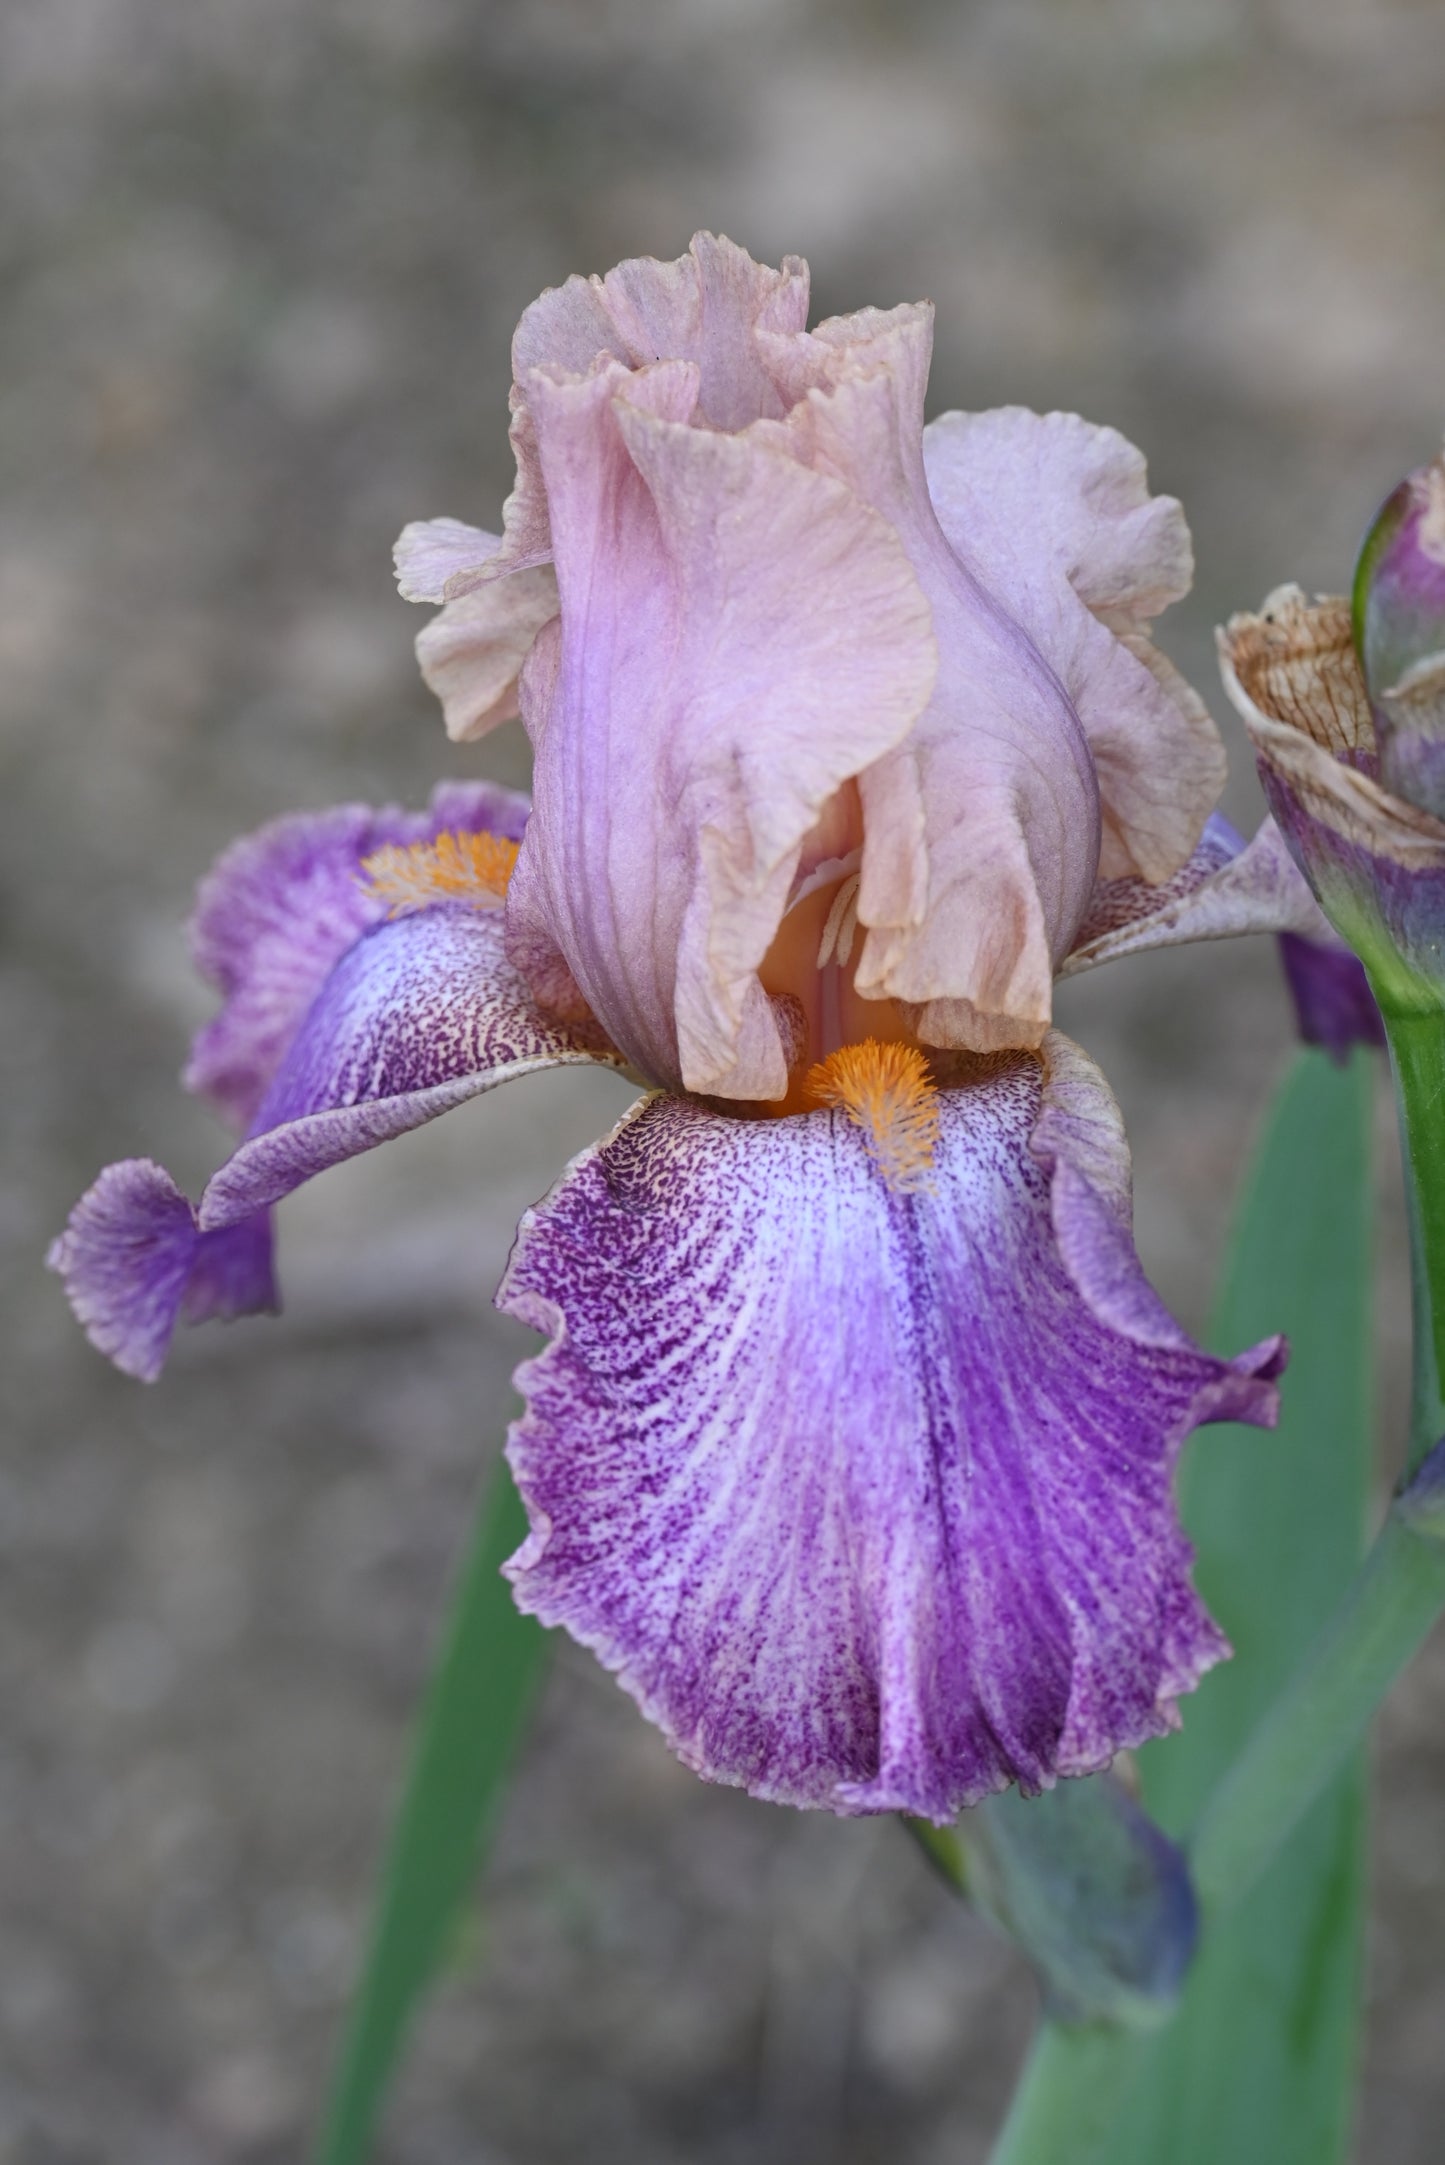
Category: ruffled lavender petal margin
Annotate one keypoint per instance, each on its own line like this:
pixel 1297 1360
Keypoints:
pixel 857 1523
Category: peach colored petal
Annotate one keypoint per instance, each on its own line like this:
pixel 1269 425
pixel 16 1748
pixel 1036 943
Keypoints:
pixel 471 654
pixel 431 553
pixel 738 637
pixel 709 307
pixel 982 829
pixel 1054 517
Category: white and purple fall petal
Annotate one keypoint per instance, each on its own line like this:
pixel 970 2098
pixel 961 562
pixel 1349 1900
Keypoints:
pixel 866 1496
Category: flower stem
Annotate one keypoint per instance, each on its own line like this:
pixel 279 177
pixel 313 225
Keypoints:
pixel 1068 2100
pixel 1417 1050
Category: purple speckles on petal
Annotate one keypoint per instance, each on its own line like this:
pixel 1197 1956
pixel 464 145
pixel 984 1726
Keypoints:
pixel 282 905
pixel 419 1014
pixel 867 1498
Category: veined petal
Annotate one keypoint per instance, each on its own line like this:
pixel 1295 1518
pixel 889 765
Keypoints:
pixel 1227 888
pixel 472 653
pixel 1054 516
pixel 866 1496
pixel 433 555
pixel 738 637
pixel 981 829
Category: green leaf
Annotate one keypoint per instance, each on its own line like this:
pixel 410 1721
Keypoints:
pixel 1259 2066
pixel 476 1709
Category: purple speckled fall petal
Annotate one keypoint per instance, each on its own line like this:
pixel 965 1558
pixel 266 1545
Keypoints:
pixel 866 1498
pixel 1227 888
pixel 421 1014
pixel 1231 887
pixel 417 1015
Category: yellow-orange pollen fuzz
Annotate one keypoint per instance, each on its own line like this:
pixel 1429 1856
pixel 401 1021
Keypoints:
pixel 887 1091
pixel 472 868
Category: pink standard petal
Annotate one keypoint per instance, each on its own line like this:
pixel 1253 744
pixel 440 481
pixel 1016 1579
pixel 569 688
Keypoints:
pixel 472 653
pixel 981 830
pixel 857 1523
pixel 1054 516
pixel 714 307
pixel 436 556
pixel 738 637
pixel 710 307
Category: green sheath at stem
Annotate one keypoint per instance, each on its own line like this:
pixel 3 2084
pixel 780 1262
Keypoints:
pixel 1067 2103
pixel 1417 1049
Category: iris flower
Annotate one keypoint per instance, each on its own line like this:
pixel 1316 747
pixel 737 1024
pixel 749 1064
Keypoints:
pixel 850 1449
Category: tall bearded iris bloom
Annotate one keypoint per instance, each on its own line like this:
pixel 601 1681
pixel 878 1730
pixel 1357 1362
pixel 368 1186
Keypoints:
pixel 850 1450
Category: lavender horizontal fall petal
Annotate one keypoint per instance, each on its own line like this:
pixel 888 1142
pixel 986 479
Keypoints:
pixel 1230 887
pixel 857 1524
pixel 340 1030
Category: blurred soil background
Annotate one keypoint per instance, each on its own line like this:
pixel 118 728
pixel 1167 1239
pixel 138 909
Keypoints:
pixel 261 260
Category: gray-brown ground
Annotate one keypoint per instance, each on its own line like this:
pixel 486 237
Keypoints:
pixel 260 262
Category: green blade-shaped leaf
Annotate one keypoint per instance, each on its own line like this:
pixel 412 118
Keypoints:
pixel 476 1709
pixel 1259 2066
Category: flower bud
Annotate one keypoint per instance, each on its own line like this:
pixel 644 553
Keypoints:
pixel 1097 1896
pixel 1399 624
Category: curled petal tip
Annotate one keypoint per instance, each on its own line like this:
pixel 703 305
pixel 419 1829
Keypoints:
pixel 134 1262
